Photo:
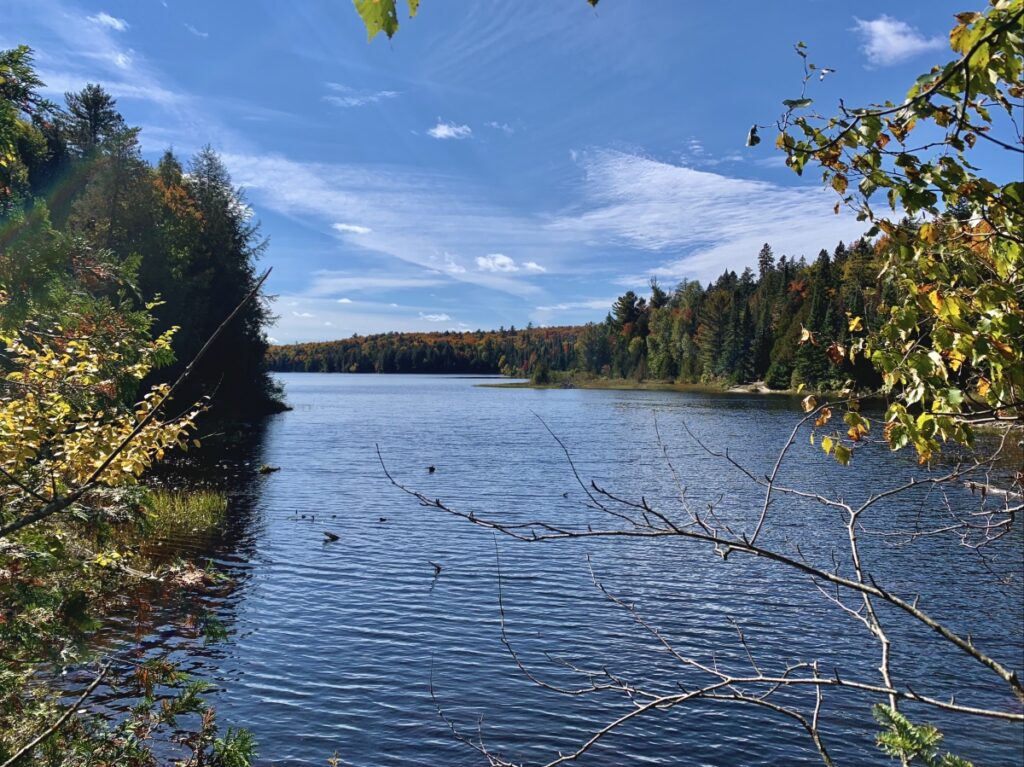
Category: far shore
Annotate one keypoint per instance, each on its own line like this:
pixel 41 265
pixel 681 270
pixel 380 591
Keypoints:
pixel 626 384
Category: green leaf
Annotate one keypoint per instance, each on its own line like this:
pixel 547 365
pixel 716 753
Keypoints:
pixel 381 15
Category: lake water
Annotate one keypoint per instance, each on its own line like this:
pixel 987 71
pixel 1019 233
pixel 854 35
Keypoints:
pixel 335 648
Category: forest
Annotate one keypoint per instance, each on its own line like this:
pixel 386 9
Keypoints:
pixel 94 235
pixel 115 276
pixel 787 324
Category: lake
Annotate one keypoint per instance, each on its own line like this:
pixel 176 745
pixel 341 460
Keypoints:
pixel 336 647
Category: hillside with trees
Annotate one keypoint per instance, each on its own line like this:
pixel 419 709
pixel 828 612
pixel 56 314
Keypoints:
pixel 83 214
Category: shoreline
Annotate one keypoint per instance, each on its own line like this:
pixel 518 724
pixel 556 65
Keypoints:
pixel 625 384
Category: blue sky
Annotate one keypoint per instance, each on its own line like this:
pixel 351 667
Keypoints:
pixel 498 162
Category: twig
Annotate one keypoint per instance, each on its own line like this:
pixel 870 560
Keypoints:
pixel 60 722
pixel 62 502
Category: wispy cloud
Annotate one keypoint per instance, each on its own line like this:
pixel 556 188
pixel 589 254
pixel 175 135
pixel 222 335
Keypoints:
pixel 887 41
pixel 573 312
pixel 696 155
pixel 422 218
pixel 135 86
pixel 345 96
pixel 445 130
pixel 196 32
pixel 327 282
pixel 351 228
pixel 81 49
pixel 104 19
pixel 499 262
pixel 505 128
pixel 449 264
pixel 344 300
pixel 319 318
pixel 716 221
pixel 595 303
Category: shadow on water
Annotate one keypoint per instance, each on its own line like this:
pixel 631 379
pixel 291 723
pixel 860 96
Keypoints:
pixel 173 621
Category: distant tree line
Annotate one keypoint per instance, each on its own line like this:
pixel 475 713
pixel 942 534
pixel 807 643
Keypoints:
pixel 507 351
pixel 788 323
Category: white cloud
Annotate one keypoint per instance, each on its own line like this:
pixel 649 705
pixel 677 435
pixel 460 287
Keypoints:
pixel 421 218
pixel 84 49
pixel 106 20
pixel 301 314
pixel 351 228
pixel 138 88
pixel 696 155
pixel 716 221
pixel 888 41
pixel 445 130
pixel 328 320
pixel 344 300
pixel 327 282
pixel 572 312
pixel 450 265
pixel 596 303
pixel 496 262
pixel 196 32
pixel 505 128
pixel 499 262
pixel 346 97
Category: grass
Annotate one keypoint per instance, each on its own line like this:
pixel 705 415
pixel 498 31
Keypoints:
pixel 185 510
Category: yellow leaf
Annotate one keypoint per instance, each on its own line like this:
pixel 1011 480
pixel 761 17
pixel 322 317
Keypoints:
pixel 809 402
pixel 956 360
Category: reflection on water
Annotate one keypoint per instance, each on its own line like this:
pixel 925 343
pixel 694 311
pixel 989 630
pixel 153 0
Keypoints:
pixel 333 647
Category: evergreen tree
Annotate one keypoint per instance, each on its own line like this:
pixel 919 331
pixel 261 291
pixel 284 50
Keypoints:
pixel 90 120
pixel 765 261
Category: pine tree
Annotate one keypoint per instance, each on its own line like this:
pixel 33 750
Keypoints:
pixel 765 261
